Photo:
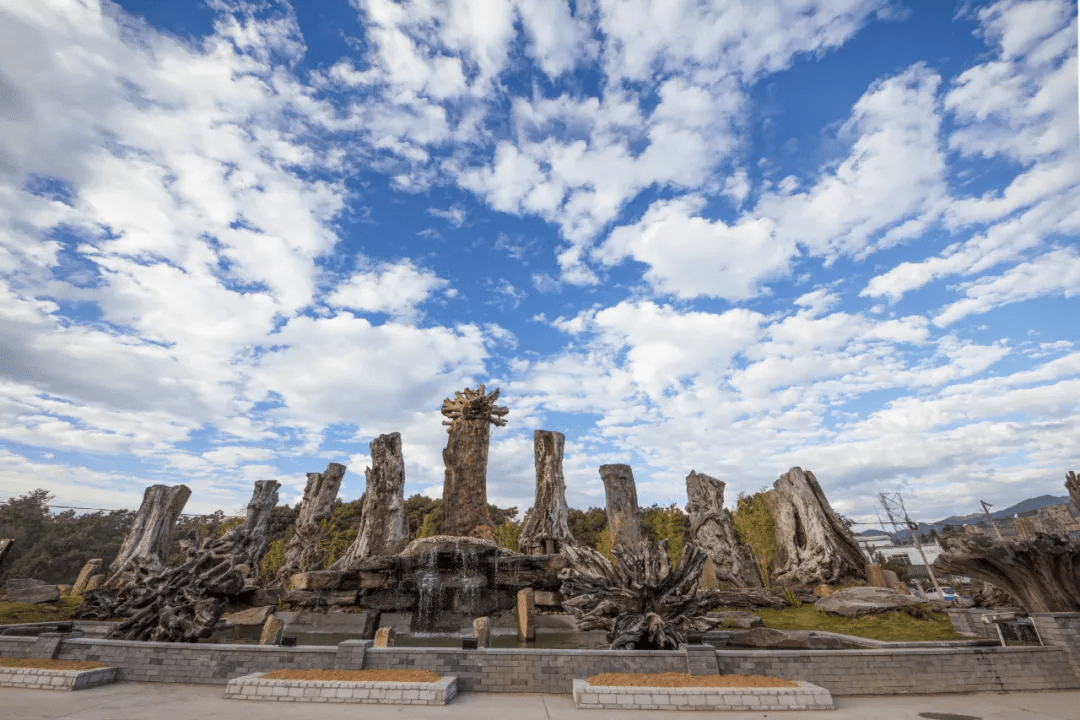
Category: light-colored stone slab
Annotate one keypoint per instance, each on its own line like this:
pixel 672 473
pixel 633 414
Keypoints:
pixel 39 679
pixel 803 697
pixel 256 687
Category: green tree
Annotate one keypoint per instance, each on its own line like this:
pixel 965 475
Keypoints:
pixel 754 527
pixel 588 527
pixel 417 509
pixel 667 523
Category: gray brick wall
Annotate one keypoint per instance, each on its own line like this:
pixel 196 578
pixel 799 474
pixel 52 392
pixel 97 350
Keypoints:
pixel 1061 630
pixel 14 646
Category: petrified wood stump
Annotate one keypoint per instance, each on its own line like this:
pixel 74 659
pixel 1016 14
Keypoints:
pixel 813 543
pixel 1072 484
pixel 249 550
pixel 382 528
pixel 464 503
pixel 623 515
pixel 710 530
pixel 546 529
pixel 5 545
pixel 1042 572
pixel 147 543
pixel 90 569
pixel 302 553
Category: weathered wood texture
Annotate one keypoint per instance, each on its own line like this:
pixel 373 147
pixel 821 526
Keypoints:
pixel 1072 484
pixel 623 514
pixel 1042 572
pixel 91 568
pixel 639 599
pixel 813 543
pixel 464 503
pixel 546 529
pixel 382 528
pixel 250 542
pixel 710 530
pixel 5 545
pixel 147 543
pixel 302 553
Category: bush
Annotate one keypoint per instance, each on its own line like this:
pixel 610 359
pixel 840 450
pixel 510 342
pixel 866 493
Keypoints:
pixel 755 528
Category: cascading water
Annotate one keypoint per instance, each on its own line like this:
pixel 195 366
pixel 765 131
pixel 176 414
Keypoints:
pixel 428 584
pixel 470 578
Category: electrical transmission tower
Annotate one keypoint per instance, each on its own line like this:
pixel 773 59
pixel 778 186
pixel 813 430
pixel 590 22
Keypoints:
pixel 894 508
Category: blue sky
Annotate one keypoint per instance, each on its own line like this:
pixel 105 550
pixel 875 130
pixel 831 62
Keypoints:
pixel 239 240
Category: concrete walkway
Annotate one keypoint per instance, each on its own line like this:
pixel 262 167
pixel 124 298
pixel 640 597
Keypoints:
pixel 154 701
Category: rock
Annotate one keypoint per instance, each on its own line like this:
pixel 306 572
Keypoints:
pixel 763 637
pixel 150 537
pixel 252 616
pixel 464 502
pixel 315 580
pixel 813 543
pixel 711 530
pixel 892 580
pixel 90 569
pixel 963 603
pixel 303 549
pixel 735 619
pixel 5 545
pixel 481 630
pixel 95 582
pixel 271 631
pixel 546 527
pixel 526 612
pixel 624 517
pixel 382 528
pixel 1072 484
pixel 1042 573
pixel 857 601
pixel 384 637
pixel 822 590
pixel 547 598
pixel 874 575
pixel 64 589
pixel 29 590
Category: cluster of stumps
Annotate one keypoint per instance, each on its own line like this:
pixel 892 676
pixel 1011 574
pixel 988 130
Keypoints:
pixel 639 597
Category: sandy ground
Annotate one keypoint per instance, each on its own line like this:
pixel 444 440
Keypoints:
pixel 420 676
pixel 671 679
pixel 48 664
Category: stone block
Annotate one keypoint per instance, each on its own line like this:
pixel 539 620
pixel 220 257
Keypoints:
pixel 384 637
pixel 482 632
pixel 316 580
pixel 526 612
pixel 29 590
pixel 271 632
pixel 254 616
pixel 95 582
pixel 548 598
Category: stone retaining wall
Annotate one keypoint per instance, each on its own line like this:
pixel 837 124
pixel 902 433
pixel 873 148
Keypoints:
pixel 842 672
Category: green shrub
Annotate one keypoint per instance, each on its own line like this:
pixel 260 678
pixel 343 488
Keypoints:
pixel 755 528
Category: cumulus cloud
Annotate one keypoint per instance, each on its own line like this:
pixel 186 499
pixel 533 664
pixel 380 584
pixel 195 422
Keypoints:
pixel 395 288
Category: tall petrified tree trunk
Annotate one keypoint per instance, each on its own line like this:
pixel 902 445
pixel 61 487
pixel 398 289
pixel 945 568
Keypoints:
pixel 147 543
pixel 464 502
pixel 302 551
pixel 623 515
pixel 710 530
pixel 812 543
pixel 250 537
pixel 546 530
pixel 1042 572
pixel 382 521
pixel 1072 483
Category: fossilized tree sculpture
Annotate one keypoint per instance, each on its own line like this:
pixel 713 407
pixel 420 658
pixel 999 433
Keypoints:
pixel 147 543
pixel 1072 484
pixel 546 530
pixel 302 552
pixel 464 503
pixel 623 514
pixel 382 521
pixel 639 599
pixel 710 530
pixel 812 543
pixel 1041 572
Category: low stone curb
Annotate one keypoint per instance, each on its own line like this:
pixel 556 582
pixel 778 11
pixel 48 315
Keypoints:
pixel 255 687
pixel 599 697
pixel 39 679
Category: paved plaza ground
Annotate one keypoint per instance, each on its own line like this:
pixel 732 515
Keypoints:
pixel 160 701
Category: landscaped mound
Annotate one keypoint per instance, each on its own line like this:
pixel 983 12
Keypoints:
pixel 50 664
pixel 412 676
pixel 684 680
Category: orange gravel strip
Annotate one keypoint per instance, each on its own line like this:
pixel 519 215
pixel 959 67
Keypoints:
pixel 414 676
pixel 50 664
pixel 677 680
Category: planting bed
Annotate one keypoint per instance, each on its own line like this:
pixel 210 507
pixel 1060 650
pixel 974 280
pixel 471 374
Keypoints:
pixel 701 692
pixel 330 689
pixel 49 674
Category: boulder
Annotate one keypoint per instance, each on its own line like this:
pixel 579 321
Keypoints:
pixel 735 619
pixel 271 631
pixel 29 590
pixel 763 637
pixel 94 582
pixel 90 569
pixel 384 637
pixel 254 616
pixel 856 601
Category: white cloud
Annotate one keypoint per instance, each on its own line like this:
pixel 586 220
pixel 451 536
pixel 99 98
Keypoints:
pixel 396 288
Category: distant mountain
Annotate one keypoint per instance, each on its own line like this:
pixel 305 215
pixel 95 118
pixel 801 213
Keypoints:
pixel 1022 506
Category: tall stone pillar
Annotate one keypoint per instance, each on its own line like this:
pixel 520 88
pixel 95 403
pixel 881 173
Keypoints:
pixel 546 530
pixel 147 543
pixel 382 521
pixel 711 530
pixel 464 504
pixel 623 515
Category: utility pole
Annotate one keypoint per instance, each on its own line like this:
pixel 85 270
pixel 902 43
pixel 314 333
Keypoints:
pixel 986 509
pixel 894 508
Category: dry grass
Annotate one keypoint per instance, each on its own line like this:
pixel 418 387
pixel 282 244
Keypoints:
pixel 412 676
pixel 49 664
pixel 59 611
pixel 683 680
pixel 894 626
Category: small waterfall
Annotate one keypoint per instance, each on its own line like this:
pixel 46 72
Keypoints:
pixel 428 583
pixel 470 577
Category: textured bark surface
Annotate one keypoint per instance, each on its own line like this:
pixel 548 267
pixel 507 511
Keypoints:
pixel 639 599
pixel 1072 484
pixel 382 521
pixel 464 503
pixel 91 568
pixel 546 529
pixel 710 530
pixel 623 514
pixel 1042 573
pixel 812 543
pixel 302 552
pixel 251 542
pixel 147 543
